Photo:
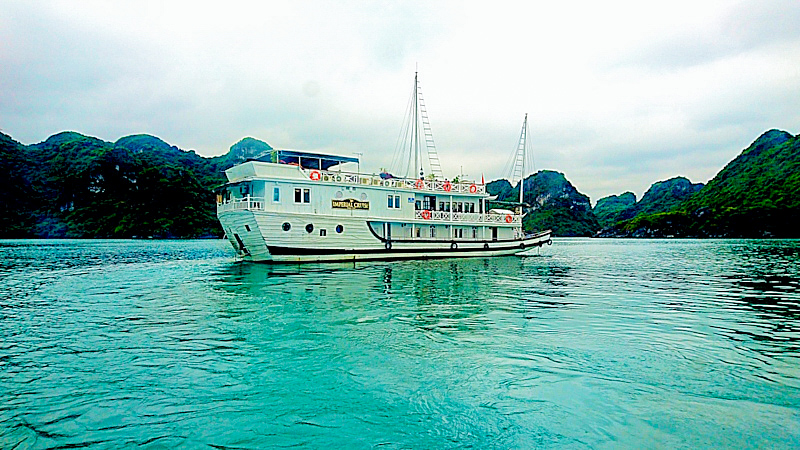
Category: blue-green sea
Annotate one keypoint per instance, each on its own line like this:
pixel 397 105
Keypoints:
pixel 587 344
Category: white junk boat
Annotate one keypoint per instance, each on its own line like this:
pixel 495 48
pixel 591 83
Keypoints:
pixel 293 206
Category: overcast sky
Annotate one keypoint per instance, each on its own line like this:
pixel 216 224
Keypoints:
pixel 620 94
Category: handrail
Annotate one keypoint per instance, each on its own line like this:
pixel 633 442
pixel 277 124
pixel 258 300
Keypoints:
pixel 446 216
pixel 397 183
pixel 245 203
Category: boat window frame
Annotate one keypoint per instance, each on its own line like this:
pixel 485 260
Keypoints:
pixel 393 201
pixel 302 196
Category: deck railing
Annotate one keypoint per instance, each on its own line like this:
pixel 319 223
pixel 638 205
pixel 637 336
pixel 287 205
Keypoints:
pixel 242 204
pixel 446 216
pixel 258 204
pixel 396 183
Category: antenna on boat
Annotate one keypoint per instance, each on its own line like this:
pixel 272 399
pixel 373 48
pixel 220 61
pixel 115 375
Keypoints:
pixel 359 154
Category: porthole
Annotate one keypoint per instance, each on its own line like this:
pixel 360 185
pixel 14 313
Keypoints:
pixel 309 228
pixel 286 226
pixel 339 228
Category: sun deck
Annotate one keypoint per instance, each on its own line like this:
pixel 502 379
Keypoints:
pixel 258 169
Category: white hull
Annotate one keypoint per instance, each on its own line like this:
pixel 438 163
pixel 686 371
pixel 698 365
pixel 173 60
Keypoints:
pixel 260 237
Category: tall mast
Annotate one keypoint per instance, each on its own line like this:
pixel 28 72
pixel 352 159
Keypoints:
pixel 523 145
pixel 415 130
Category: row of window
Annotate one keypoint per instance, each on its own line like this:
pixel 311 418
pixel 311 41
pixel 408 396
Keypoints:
pixel 458 233
pixel 458 207
pixel 465 207
pixel 310 228
pixel 300 195
pixel 303 195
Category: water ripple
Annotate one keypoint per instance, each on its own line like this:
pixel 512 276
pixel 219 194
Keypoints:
pixel 595 343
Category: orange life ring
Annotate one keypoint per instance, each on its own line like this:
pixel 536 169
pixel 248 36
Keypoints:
pixel 315 175
pixel 473 189
pixel 419 184
pixel 509 219
pixel 426 214
pixel 447 186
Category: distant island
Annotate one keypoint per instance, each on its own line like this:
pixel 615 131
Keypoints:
pixel 757 195
pixel 76 186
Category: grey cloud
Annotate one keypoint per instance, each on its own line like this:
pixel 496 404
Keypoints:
pixel 747 27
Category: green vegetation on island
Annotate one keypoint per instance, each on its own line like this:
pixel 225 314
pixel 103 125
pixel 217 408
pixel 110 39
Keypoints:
pixel 554 204
pixel 73 185
pixel 78 186
pixel 756 195
pixel 610 210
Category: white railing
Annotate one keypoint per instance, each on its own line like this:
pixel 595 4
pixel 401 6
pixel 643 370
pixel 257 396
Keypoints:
pixel 257 204
pixel 396 183
pixel 439 216
pixel 246 203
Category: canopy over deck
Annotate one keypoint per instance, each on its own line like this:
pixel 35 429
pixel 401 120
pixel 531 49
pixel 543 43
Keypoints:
pixel 306 160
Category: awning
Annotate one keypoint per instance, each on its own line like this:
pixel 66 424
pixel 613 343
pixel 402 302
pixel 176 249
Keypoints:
pixel 306 160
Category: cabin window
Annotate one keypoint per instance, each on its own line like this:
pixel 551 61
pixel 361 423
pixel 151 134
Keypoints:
pixel 302 195
pixel 474 233
pixel 433 231
pixel 429 202
pixel 309 228
pixel 418 231
pixel 286 226
pixel 393 201
pixel 397 201
pixel 418 205
pixel 276 194
pixel 339 228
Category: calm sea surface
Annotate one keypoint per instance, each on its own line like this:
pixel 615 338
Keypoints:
pixel 591 344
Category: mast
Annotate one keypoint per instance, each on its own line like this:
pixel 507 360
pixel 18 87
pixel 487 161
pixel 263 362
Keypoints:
pixel 523 145
pixel 416 133
pixel 415 129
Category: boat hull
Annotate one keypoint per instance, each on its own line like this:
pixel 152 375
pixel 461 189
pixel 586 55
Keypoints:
pixel 260 237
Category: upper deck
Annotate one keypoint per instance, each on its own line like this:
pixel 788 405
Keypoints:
pixel 252 170
pixel 387 197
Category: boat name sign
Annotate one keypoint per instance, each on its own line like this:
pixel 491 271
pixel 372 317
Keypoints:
pixel 349 203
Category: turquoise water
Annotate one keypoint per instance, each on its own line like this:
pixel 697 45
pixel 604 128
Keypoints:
pixel 591 344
